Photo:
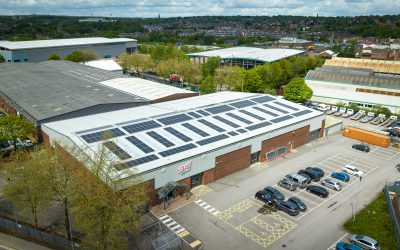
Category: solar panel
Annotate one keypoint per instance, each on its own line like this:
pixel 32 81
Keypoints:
pixel 275 108
pixel 117 150
pixel 194 129
pixel 212 139
pixel 202 112
pixel 176 150
pixel 221 119
pixel 300 113
pixel 139 144
pixel 211 125
pixel 242 131
pixel 219 109
pixel 174 119
pixel 178 134
pixel 242 104
pixel 161 139
pixel 141 126
pixel 263 99
pixel 252 115
pixel 257 126
pixel 232 133
pixel 239 118
pixel 195 115
pixel 281 119
pixel 286 106
pixel 265 111
pixel 99 136
pixel 136 162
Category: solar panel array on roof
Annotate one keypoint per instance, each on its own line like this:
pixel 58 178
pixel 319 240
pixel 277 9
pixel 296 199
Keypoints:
pixel 101 135
pixel 239 118
pixel 139 144
pixel 141 126
pixel 117 150
pixel 161 139
pixel 178 134
pixel 227 122
pixel 195 115
pixel 275 108
pixel 265 111
pixel 174 119
pixel 242 104
pixel 252 115
pixel 281 119
pixel 194 129
pixel 211 125
pixel 136 162
pixel 300 113
pixel 176 150
pixel 263 99
pixel 257 126
pixel 212 139
pixel 219 109
pixel 286 106
pixel 202 112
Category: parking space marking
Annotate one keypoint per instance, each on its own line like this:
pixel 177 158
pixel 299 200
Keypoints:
pixel 201 190
pixel 333 247
pixel 207 207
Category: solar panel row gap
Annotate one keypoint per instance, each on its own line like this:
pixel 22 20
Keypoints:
pixel 161 139
pixel 252 115
pixel 265 111
pixel 286 106
pixel 227 122
pixel 275 108
pixel 239 118
pixel 195 130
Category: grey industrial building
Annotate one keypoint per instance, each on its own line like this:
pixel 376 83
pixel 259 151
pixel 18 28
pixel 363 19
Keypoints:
pixel 56 90
pixel 39 50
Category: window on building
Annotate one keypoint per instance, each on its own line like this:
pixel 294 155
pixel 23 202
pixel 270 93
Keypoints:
pixel 17 60
pixel 25 60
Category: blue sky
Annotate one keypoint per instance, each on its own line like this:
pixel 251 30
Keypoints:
pixel 151 8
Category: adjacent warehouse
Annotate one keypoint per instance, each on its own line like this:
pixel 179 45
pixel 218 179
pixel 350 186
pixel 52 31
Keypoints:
pixel 56 90
pixel 193 141
pixel 39 50
pixel 359 86
pixel 378 66
pixel 246 57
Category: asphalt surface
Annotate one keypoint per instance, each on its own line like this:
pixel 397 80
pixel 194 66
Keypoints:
pixel 228 216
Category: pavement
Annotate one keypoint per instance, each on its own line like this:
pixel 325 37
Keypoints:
pixel 228 216
pixel 13 243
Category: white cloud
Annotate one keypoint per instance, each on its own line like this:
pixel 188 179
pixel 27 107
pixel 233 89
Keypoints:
pixel 151 8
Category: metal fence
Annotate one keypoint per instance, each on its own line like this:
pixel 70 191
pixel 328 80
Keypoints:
pixel 29 232
pixel 391 209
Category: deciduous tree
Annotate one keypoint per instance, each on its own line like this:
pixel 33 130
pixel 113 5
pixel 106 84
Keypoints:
pixel 297 90
pixel 13 128
pixel 252 81
pixel 137 63
pixel 207 86
pixel 229 77
pixel 208 68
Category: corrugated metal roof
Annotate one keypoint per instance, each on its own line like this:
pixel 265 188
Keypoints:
pixel 108 64
pixel 61 42
pixel 249 53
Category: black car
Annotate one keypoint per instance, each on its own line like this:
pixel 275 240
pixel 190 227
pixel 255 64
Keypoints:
pixel 298 203
pixel 265 197
pixel 307 177
pixel 362 147
pixel 275 193
pixel 319 171
pixel 287 207
pixel 311 173
pixel 318 190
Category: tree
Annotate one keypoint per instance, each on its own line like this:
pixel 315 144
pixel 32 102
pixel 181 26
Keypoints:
pixel 103 207
pixel 208 68
pixel 75 56
pixel 13 128
pixel 88 55
pixel 54 56
pixel 189 71
pixel 229 77
pixel 207 86
pixel 252 81
pixel 158 53
pixel 135 62
pixel 166 68
pixel 2 59
pixel 297 90
pixel 27 186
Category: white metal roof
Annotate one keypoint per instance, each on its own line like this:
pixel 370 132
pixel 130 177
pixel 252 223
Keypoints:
pixel 249 53
pixel 61 42
pixel 258 114
pixel 108 64
pixel 144 88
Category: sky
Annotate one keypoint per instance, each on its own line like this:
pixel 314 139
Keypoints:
pixel 151 8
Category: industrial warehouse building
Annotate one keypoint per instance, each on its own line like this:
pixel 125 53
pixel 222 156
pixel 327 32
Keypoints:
pixel 192 141
pixel 378 66
pixel 246 57
pixel 360 86
pixel 39 50
pixel 56 90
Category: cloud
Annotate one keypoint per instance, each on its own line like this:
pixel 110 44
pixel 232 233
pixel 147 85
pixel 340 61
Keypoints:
pixel 167 8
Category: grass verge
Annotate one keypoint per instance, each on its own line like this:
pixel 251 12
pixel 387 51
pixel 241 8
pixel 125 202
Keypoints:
pixel 374 222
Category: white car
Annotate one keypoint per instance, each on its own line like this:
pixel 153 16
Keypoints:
pixel 352 170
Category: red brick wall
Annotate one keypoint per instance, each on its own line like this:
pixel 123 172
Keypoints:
pixel 208 176
pixel 321 132
pixel 229 163
pixel 7 107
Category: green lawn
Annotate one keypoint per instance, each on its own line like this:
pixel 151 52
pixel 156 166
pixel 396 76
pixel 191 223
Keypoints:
pixel 374 221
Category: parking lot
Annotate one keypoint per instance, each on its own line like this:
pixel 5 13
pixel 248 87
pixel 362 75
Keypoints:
pixel 246 221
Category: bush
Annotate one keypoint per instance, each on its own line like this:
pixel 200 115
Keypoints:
pixel 54 56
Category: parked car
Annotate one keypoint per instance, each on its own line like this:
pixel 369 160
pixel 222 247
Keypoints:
pixel 300 180
pixel 27 143
pixel 318 190
pixel 346 246
pixel 275 193
pixel 298 203
pixel 364 242
pixel 312 174
pixel 307 177
pixel 352 170
pixel 17 143
pixel 341 176
pixel 287 207
pixel 2 114
pixel 362 147
pixel 288 184
pixel 332 184
pixel 265 197
pixel 320 172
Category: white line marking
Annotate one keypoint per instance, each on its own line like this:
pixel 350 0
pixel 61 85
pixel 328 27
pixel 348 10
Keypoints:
pixel 334 244
pixel 163 217
pixel 170 223
pixel 180 230
pixel 206 207
pixel 176 227
pixel 166 220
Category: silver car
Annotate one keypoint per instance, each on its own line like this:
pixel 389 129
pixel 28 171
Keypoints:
pixel 332 184
pixel 364 242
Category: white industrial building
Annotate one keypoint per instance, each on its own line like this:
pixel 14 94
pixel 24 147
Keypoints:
pixel 39 50
pixel 246 57
pixel 195 140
